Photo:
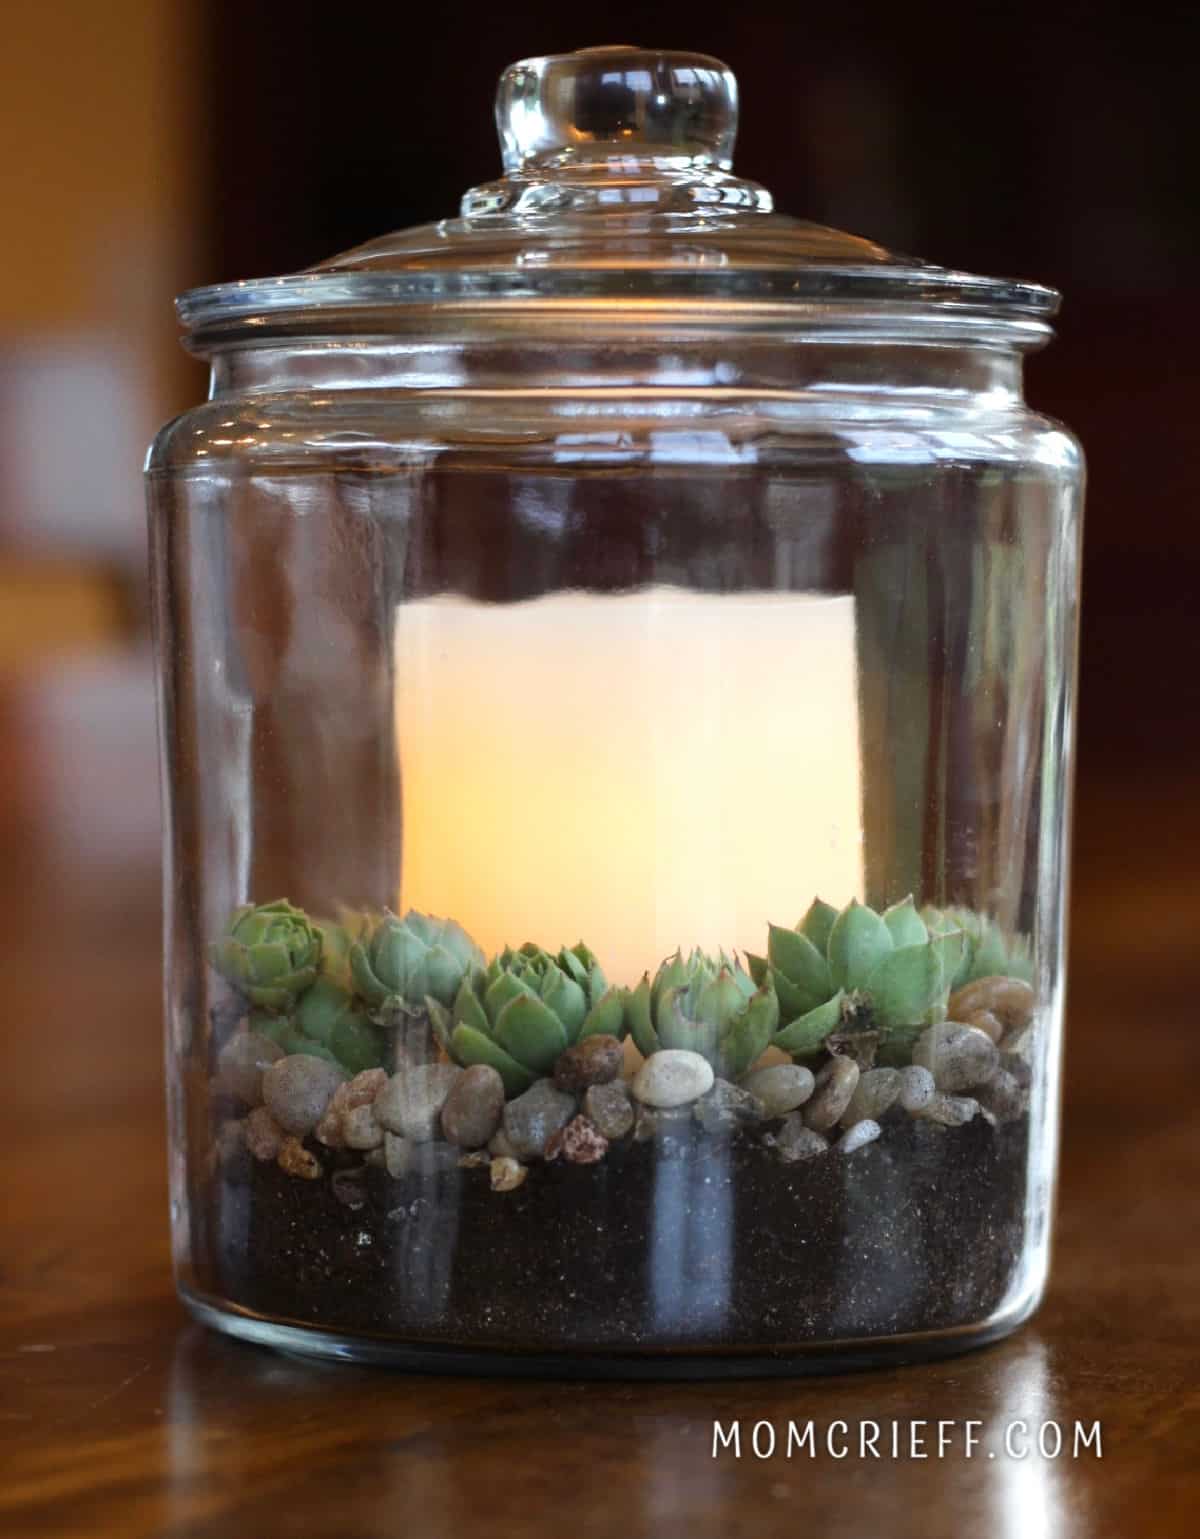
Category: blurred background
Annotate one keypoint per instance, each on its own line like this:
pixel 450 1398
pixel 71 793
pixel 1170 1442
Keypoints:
pixel 151 145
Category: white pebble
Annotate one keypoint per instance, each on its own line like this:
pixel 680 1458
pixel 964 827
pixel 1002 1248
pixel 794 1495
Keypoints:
pixel 917 1088
pixel 411 1102
pixel 672 1078
pixel 864 1132
pixel 781 1087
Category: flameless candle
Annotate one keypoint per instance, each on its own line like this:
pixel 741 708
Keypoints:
pixel 642 771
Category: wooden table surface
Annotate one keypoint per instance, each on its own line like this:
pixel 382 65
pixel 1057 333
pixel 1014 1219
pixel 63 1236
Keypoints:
pixel 121 1417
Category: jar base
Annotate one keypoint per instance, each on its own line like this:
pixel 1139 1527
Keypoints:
pixel 792 1361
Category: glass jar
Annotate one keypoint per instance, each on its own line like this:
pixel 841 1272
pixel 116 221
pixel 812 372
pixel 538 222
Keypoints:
pixel 616 673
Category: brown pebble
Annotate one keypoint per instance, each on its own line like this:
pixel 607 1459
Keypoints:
pixel 597 1060
pixel 264 1137
pixel 836 1083
pixel 580 1143
pixel 241 1062
pixel 1010 1000
pixel 295 1160
pixel 985 1021
pixel 471 1112
pixel 475 1159
pixel 360 1129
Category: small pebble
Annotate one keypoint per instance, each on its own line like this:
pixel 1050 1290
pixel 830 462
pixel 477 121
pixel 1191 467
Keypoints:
pixel 958 1057
pixel 1019 1067
pixel 794 1141
pixel 532 1119
pixel 835 1084
pixel 781 1087
pixel 360 1130
pixel 264 1137
pixel 361 1090
pixel 579 1143
pixel 950 1111
pixel 507 1174
pixel 295 1160
pixel 297 1091
pixel 917 1088
pixel 472 1111
pixel 610 1109
pixel 474 1159
pixel 1010 1000
pixel 672 1077
pixel 877 1089
pixel 411 1102
pixel 499 1146
pixel 596 1060
pixel 726 1107
pixel 397 1155
pixel 241 1062
pixel 864 1132
pixel 1003 1097
pixel 985 1021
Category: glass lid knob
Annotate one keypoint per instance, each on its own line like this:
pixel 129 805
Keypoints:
pixel 616 125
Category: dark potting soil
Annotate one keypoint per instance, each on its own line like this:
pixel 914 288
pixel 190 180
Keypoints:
pixel 666 1244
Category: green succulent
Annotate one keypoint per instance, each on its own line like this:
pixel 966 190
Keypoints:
pixel 338 935
pixel 270 953
pixel 327 1023
pixel 707 1005
pixel 402 962
pixel 521 1011
pixel 834 965
pixel 987 952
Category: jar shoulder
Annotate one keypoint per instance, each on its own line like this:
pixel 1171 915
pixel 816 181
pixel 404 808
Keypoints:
pixel 251 433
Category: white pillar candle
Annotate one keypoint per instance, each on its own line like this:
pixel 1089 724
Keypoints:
pixel 640 771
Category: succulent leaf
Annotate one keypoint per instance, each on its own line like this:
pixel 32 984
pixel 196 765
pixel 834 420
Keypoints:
pixel 638 1014
pixel 804 1037
pixel 905 984
pixel 530 1032
pixel 795 958
pixel 606 1016
pixel 817 924
pixel 858 942
pixel 468 1046
pixel 905 925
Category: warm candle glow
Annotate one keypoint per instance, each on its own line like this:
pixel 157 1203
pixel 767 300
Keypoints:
pixel 641 771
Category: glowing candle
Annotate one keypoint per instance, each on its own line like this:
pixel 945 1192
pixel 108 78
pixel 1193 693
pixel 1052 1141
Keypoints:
pixel 642 771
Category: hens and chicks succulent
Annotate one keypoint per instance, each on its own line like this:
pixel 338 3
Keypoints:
pixel 335 989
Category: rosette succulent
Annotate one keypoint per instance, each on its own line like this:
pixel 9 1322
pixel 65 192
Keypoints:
pixel 707 1005
pixel 524 1009
pixel 889 968
pixel 270 952
pixel 988 952
pixel 402 962
pixel 327 1023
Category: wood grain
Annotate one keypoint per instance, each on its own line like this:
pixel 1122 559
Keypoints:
pixel 120 1417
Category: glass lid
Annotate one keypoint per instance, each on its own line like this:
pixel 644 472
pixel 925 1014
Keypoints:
pixel 617 186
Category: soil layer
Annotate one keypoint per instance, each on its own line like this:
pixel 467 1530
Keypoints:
pixel 680 1242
